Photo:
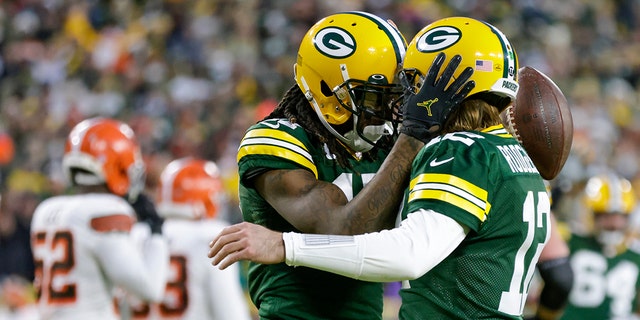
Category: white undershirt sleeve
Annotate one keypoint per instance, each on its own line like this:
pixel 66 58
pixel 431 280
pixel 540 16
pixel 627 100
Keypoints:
pixel 407 252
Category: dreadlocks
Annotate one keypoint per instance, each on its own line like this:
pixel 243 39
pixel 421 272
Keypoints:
pixel 295 107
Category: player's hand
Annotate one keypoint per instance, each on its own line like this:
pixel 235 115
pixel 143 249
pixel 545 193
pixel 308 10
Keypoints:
pixel 246 241
pixel 146 212
pixel 425 112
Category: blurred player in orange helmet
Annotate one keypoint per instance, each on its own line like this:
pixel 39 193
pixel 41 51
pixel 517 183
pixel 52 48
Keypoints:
pixel 81 243
pixel 7 149
pixel 191 197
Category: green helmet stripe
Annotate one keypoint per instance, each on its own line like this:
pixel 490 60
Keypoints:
pixel 508 52
pixel 393 33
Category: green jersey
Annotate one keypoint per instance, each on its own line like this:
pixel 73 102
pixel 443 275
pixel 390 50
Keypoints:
pixel 487 182
pixel 284 292
pixel 603 287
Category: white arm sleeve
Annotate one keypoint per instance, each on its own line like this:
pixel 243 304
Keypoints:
pixel 407 252
pixel 143 274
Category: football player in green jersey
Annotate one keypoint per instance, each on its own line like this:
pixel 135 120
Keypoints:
pixel 315 164
pixel 605 263
pixel 476 215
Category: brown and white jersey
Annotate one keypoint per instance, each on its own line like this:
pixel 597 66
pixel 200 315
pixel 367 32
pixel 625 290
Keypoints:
pixel 83 248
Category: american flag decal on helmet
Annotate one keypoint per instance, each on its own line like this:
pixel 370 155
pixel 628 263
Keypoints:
pixel 484 65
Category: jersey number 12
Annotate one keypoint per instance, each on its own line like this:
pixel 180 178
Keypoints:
pixel 534 216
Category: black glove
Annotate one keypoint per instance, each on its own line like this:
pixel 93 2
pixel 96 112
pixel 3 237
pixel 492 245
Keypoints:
pixel 425 112
pixel 146 212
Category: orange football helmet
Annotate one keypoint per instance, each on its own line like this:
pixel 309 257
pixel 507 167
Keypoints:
pixel 7 149
pixel 104 151
pixel 190 188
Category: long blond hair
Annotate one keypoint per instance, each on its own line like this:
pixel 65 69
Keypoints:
pixel 473 114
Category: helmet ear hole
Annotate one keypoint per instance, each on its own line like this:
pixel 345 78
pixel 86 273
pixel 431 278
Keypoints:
pixel 324 88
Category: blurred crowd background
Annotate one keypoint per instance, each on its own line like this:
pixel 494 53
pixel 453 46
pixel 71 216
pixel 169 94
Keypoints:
pixel 191 75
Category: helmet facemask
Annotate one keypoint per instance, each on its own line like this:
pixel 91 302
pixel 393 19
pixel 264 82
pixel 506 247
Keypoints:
pixel 137 175
pixel 612 235
pixel 373 107
pixel 373 116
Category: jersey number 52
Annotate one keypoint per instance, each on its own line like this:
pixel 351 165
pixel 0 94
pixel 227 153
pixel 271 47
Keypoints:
pixel 61 263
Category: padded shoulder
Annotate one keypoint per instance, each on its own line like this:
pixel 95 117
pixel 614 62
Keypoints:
pixel 275 144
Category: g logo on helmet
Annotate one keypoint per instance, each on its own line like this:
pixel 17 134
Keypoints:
pixel 335 42
pixel 438 39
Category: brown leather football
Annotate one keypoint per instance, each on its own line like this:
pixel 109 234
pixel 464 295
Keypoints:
pixel 540 119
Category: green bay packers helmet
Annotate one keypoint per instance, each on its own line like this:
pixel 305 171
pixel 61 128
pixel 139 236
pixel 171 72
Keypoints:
pixel 482 47
pixel 610 194
pixel 611 199
pixel 346 67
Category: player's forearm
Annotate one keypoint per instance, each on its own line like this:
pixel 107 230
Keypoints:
pixel 156 260
pixel 225 296
pixel 557 275
pixel 143 273
pixel 314 206
pixel 376 206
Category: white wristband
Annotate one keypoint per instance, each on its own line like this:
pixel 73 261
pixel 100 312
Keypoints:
pixel 323 252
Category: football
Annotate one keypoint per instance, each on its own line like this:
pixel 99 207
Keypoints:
pixel 540 119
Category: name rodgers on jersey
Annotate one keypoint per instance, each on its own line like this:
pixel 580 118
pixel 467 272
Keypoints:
pixel 517 158
pixel 515 155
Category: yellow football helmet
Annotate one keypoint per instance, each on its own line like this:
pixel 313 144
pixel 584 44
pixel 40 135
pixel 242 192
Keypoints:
pixel 482 47
pixel 346 67
pixel 611 199
pixel 610 194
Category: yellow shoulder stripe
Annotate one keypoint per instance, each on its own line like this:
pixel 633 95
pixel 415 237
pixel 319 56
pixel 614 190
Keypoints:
pixel 451 198
pixel 276 143
pixel 451 189
pixel 276 134
pixel 451 180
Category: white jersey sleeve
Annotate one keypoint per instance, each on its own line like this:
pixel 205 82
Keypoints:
pixel 407 252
